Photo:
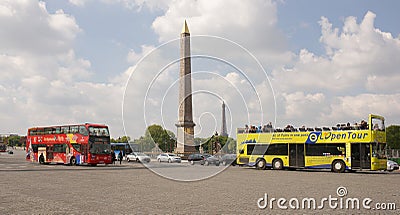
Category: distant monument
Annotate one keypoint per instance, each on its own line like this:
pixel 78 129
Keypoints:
pixel 223 126
pixel 185 125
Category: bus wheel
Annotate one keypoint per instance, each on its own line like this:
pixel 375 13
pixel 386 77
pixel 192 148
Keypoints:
pixel 277 164
pixel 260 165
pixel 338 166
pixel 73 161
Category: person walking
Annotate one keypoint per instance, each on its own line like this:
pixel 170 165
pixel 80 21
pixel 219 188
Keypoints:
pixel 113 157
pixel 41 158
pixel 120 157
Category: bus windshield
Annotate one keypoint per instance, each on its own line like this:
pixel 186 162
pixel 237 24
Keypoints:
pixel 96 131
pixel 97 148
pixel 378 124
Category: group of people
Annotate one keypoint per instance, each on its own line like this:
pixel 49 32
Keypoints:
pixel 363 125
pixel 113 157
pixel 259 129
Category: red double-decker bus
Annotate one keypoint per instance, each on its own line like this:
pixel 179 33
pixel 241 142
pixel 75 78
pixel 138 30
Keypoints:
pixel 69 144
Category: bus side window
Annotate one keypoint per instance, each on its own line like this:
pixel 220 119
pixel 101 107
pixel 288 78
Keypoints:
pixel 83 130
pixel 74 129
pixel 65 129
pixel 58 130
pixel 47 131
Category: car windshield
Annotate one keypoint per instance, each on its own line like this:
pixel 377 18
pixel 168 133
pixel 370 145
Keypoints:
pixel 207 155
pixel 141 154
pixel 172 155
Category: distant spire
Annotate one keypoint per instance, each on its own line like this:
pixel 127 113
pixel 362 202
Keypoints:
pixel 223 126
pixel 185 28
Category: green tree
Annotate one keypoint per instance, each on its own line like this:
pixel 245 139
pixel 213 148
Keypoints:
pixel 228 144
pixel 123 139
pixel 14 140
pixel 145 144
pixel 156 134
pixel 393 136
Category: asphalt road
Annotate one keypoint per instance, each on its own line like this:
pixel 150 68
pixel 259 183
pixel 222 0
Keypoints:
pixel 131 188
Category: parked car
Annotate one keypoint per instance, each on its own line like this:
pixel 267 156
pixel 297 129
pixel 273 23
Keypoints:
pixel 193 158
pixel 168 157
pixel 228 159
pixel 391 165
pixel 138 157
pixel 209 159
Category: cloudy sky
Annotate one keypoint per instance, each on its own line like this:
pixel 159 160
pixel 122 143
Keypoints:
pixel 116 62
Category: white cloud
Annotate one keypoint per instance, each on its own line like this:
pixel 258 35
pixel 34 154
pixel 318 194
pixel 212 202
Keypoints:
pixel 354 108
pixel 78 3
pixel 357 75
pixel 248 23
pixel 43 81
pixel 31 29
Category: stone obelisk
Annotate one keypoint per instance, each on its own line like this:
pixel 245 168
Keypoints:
pixel 223 126
pixel 185 125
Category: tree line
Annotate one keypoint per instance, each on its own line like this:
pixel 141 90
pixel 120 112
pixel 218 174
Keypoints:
pixel 166 140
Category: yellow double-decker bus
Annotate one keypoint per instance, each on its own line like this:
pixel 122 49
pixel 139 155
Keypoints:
pixel 339 148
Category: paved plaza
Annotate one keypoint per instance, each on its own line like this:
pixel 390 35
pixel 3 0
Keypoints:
pixel 131 188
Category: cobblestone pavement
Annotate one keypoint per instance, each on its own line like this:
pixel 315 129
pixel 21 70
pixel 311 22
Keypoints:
pixel 130 188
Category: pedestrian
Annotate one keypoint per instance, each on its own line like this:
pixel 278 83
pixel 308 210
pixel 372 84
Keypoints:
pixel 120 157
pixel 41 158
pixel 113 157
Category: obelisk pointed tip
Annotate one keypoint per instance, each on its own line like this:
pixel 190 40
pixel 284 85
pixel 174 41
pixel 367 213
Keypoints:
pixel 185 29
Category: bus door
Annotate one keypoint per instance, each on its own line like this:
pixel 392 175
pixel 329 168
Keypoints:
pixel 296 155
pixel 85 152
pixel 42 151
pixel 360 156
pixel 49 152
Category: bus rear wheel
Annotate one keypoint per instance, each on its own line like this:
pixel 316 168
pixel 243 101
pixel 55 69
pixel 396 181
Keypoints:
pixel 72 161
pixel 338 166
pixel 277 164
pixel 260 165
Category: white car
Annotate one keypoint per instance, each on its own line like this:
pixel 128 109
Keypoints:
pixel 138 157
pixel 391 165
pixel 168 157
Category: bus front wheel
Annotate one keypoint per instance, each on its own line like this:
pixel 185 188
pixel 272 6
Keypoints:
pixel 73 161
pixel 260 165
pixel 277 164
pixel 338 166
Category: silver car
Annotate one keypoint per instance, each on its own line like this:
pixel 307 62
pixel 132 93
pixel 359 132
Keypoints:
pixel 138 157
pixel 391 165
pixel 168 157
